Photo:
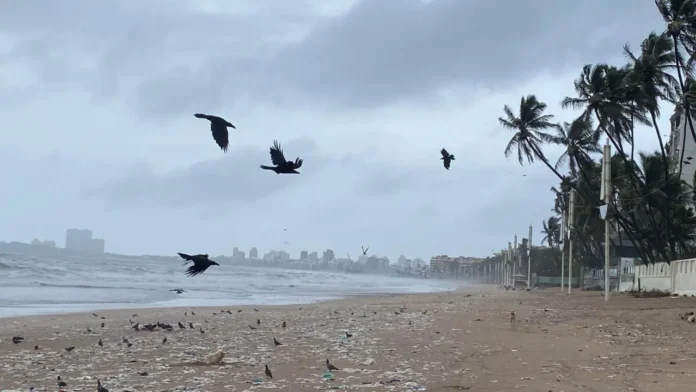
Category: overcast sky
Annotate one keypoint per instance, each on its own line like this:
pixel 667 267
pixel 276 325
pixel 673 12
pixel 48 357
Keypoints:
pixel 97 128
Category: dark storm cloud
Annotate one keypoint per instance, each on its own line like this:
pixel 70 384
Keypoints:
pixel 381 51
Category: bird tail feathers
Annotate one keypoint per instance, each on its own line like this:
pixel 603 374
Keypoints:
pixel 264 167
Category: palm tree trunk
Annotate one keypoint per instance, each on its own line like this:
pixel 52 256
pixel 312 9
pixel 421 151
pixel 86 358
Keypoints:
pixel 683 147
pixel 541 156
pixel 633 140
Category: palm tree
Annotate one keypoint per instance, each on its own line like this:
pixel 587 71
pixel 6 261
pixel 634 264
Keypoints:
pixel 580 141
pixel 529 129
pixel 601 93
pixel 651 74
pixel 551 231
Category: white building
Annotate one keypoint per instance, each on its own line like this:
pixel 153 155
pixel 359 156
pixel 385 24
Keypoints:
pixel 681 133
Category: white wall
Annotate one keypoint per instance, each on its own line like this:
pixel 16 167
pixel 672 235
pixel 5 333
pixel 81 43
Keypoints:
pixel 684 282
pixel 656 276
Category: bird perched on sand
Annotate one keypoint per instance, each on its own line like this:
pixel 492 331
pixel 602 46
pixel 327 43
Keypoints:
pixel 365 250
pixel 268 372
pixel 447 158
pixel 281 165
pixel 330 366
pixel 200 264
pixel 100 388
pixel 218 127
pixel 17 339
pixel 61 383
pixel 69 349
pixel 276 342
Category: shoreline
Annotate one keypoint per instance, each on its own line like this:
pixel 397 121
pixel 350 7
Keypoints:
pixel 148 308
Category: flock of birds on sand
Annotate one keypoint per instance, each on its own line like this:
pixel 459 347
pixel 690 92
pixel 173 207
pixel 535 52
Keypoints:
pixel 150 327
pixel 219 128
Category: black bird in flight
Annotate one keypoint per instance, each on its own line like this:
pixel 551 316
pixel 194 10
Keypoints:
pixel 61 383
pixel 179 291
pixel 218 126
pixel 365 250
pixel 330 366
pixel 447 158
pixel 200 264
pixel 281 165
pixel 268 372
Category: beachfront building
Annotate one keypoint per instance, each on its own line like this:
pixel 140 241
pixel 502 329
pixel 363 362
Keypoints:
pixel 681 139
pixel 457 267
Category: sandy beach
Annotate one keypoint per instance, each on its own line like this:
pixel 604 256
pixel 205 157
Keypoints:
pixel 451 341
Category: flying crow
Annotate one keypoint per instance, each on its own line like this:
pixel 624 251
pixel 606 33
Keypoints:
pixel 200 264
pixel 218 126
pixel 281 165
pixel 179 291
pixel 365 250
pixel 447 158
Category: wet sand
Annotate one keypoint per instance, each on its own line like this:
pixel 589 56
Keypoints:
pixel 453 341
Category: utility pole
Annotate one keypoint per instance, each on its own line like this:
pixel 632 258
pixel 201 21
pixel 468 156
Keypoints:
pixel 563 242
pixel 606 194
pixel 529 259
pixel 571 226
pixel 515 256
pixel 508 266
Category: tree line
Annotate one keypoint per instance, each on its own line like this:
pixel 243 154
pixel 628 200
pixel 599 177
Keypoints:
pixel 652 206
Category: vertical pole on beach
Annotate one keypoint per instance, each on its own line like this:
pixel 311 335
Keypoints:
pixel 515 255
pixel 529 258
pixel 607 226
pixel 511 259
pixel 564 241
pixel 571 226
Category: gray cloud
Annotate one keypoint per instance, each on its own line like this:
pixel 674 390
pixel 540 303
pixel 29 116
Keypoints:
pixel 379 52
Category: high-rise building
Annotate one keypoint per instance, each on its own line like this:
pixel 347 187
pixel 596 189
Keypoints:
pixel 680 135
pixel 313 257
pixel 303 255
pixel 81 240
pixel 327 256
pixel 253 253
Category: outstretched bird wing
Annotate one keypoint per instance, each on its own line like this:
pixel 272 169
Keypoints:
pixel 220 134
pixel 445 154
pixel 185 256
pixel 277 156
pixel 198 267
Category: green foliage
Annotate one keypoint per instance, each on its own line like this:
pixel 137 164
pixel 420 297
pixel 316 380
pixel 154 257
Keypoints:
pixel 651 207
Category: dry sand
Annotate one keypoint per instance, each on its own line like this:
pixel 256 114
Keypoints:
pixel 464 341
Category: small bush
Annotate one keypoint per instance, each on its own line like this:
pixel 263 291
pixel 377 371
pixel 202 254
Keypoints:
pixel 654 293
